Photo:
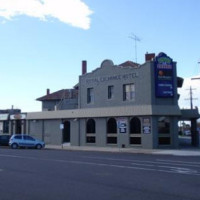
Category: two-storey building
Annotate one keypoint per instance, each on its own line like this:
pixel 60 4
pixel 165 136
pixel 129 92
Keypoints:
pixel 125 105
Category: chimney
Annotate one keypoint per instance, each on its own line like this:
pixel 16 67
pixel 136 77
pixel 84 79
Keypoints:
pixel 48 91
pixel 84 67
pixel 149 56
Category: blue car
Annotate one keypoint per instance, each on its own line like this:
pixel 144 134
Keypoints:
pixel 26 141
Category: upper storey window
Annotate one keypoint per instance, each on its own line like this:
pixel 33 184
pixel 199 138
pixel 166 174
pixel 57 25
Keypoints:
pixel 90 95
pixel 128 92
pixel 110 91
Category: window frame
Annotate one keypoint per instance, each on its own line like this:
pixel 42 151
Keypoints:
pixel 111 129
pixel 110 91
pixel 164 130
pixel 129 92
pixel 90 95
pixel 91 131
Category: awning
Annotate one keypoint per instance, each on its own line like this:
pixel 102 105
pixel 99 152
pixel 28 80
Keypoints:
pixel 4 117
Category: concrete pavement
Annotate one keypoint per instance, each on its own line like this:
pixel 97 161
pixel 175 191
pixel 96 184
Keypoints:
pixel 176 152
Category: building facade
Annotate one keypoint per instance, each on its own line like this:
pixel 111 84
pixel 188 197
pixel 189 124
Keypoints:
pixel 12 121
pixel 60 100
pixel 126 105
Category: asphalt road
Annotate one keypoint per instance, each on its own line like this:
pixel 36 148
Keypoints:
pixel 77 175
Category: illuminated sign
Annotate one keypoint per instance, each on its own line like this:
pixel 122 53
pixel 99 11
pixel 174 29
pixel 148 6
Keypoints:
pixel 164 76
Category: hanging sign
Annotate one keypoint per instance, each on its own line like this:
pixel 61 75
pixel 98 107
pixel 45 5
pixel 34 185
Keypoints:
pixel 146 129
pixel 122 125
pixel 146 125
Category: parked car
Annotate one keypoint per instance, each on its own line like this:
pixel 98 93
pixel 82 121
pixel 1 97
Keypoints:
pixel 27 141
pixel 4 140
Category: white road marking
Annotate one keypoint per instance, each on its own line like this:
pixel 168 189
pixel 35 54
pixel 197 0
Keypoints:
pixel 181 162
pixel 158 161
pixel 156 166
pixel 181 170
pixel 147 165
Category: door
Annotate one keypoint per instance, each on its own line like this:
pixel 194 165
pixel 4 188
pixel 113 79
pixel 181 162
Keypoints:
pixel 66 132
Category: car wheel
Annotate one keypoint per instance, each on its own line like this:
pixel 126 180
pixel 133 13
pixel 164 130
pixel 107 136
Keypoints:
pixel 38 146
pixel 14 146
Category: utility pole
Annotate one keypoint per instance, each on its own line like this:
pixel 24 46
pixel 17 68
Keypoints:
pixel 137 39
pixel 191 97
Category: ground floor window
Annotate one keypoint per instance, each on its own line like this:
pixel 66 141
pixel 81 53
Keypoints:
pixel 164 131
pixel 111 131
pixel 135 131
pixel 4 126
pixel 90 131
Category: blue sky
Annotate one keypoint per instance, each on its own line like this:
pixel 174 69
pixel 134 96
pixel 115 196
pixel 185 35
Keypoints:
pixel 43 42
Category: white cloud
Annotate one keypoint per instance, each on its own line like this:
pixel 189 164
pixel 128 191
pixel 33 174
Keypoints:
pixel 73 12
pixel 184 92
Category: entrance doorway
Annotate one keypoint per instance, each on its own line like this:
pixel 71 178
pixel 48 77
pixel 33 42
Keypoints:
pixel 66 132
pixel 18 127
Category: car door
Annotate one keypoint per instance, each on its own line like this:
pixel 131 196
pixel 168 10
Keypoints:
pixel 19 140
pixel 29 141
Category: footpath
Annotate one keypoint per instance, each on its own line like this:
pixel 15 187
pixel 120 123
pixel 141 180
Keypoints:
pixel 176 152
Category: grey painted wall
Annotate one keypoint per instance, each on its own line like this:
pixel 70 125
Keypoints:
pixel 47 130
pixel 108 75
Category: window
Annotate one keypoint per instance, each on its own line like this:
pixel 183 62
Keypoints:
pixel 110 91
pixel 112 131
pixel 164 131
pixel 90 95
pixel 26 137
pixel 112 126
pixel 91 126
pixel 128 92
pixel 6 127
pixel 163 125
pixel 135 131
pixel 90 131
pixel 18 137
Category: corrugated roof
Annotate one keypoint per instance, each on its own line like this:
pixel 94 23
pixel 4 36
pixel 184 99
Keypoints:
pixel 61 94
